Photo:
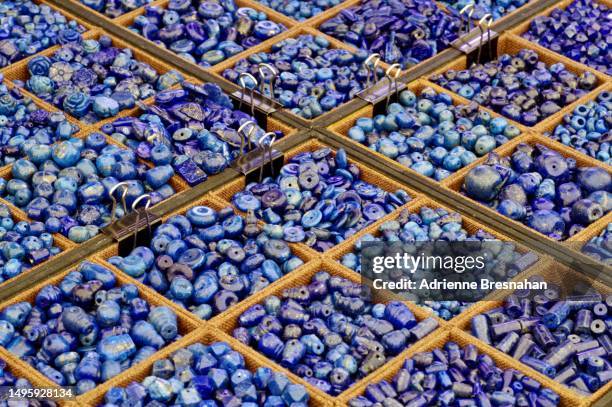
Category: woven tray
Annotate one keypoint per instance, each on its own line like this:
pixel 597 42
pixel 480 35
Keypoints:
pixel 19 71
pixel 267 46
pixel 69 16
pixel 566 279
pixel 512 44
pixel 342 127
pixel 469 224
pixel 203 335
pixel 216 204
pixel 523 27
pixel 185 323
pixel 437 340
pixel 228 322
pixel 226 192
pixel 532 139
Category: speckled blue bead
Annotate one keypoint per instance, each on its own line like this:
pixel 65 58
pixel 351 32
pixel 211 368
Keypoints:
pixel 26 129
pixel 207 260
pixel 318 199
pixel 437 224
pixel 82 344
pixel 521 87
pixel 336 349
pixel 29 28
pixel 94 80
pixel 114 8
pixel 206 375
pixel 205 32
pixel 300 10
pixel 24 244
pixel 435 375
pixel 542 189
pixel 194 129
pixel 565 338
pixel 313 78
pixel 580 32
pixel 434 142
pixel 406 32
pixel 588 129
pixel 69 191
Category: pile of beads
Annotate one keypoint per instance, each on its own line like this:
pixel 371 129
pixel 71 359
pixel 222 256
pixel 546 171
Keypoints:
pixel 67 185
pixel 29 28
pixel 86 329
pixel 114 8
pixel 437 224
pixel 440 377
pixel 24 125
pixel 312 77
pixel 566 339
pixel 94 80
pixel 319 199
pixel 329 331
pixel 580 32
pixel 194 129
pixel 430 135
pixel 300 9
pixel 520 87
pixel 207 260
pixel 542 189
pixel 209 375
pixel 205 32
pixel 405 32
pixel 22 244
pixel 588 128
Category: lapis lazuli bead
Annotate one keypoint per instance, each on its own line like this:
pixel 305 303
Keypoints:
pixel 313 77
pixel 335 343
pixel 194 129
pixel 113 8
pixel 29 28
pixel 434 375
pixel 208 260
pixel 206 375
pixel 542 189
pixel 319 199
pixel 205 32
pixel 588 129
pixel 94 80
pixel 78 345
pixel 580 32
pixel 300 10
pixel 496 8
pixel 430 135
pixel 405 32
pixel 565 337
pixel 67 185
pixel 520 86
pixel 437 224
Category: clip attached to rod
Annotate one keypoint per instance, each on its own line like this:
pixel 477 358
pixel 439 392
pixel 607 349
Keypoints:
pixel 472 48
pixel 135 228
pixel 267 74
pixel 485 24
pixel 244 87
pixel 111 194
pixel 263 161
pixel 392 73
pixel 367 64
pixel 469 9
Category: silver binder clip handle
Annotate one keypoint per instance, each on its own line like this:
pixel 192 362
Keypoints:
pixel 265 69
pixel 392 73
pixel 484 24
pixel 134 209
pixel 372 61
pixel 270 137
pixel 111 194
pixel 244 87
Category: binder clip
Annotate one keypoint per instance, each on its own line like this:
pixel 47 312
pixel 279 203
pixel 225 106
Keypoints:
pixel 263 161
pixel 267 74
pixel 244 87
pixel 367 64
pixel 485 24
pixel 392 73
pixel 472 48
pixel 246 136
pixel 469 9
pixel 141 224
pixel 111 194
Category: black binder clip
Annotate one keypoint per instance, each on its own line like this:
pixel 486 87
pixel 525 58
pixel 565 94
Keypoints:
pixel 267 74
pixel 136 228
pixel 244 87
pixel 473 48
pixel 263 161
